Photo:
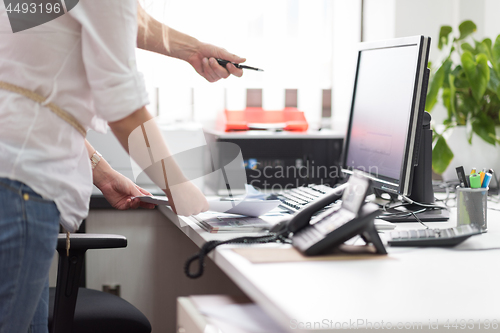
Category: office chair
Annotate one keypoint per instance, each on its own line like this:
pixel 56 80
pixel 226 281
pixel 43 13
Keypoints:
pixel 81 310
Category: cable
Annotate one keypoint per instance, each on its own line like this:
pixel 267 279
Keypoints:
pixel 211 245
pixel 420 221
pixel 403 214
pixel 411 202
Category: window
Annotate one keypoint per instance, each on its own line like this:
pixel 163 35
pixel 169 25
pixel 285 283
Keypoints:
pixel 292 40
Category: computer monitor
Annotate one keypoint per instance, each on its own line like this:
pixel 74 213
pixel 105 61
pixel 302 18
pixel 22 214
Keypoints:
pixel 386 137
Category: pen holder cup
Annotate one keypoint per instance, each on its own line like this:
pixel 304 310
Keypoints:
pixel 471 206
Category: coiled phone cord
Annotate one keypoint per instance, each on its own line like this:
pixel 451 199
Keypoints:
pixel 209 246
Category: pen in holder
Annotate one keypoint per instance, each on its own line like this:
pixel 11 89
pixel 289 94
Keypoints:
pixel 471 206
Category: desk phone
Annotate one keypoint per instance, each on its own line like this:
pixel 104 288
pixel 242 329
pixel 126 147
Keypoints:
pixel 337 225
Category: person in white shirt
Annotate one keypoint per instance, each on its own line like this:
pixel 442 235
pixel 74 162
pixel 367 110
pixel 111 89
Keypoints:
pixel 83 62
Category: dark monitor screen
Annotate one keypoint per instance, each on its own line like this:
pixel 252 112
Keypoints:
pixel 385 111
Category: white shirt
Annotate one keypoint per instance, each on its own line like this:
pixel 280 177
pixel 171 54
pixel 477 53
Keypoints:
pixel 84 62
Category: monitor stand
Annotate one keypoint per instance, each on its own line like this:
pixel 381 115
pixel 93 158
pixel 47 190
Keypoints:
pixel 422 190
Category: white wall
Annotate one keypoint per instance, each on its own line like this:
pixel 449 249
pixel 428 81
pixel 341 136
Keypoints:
pixel 385 19
pixel 379 19
pixel 491 21
pixel 346 36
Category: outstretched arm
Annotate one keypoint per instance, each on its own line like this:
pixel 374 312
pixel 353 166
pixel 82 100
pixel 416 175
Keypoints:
pixel 200 55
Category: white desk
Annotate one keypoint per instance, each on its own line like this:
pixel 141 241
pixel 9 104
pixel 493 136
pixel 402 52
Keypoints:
pixel 409 286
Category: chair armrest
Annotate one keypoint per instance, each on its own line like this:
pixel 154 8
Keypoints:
pixel 91 241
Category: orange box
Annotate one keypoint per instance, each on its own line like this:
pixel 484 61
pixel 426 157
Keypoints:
pixel 288 119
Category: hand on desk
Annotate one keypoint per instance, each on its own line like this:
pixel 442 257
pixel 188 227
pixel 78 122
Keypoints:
pixel 119 190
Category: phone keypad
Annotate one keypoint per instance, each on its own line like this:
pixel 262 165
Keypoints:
pixel 334 221
pixel 319 230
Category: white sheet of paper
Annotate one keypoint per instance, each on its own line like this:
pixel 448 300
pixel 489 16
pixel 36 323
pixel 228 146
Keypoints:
pixel 154 199
pixel 249 204
pixel 246 207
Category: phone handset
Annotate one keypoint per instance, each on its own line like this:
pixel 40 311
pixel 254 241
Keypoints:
pixel 354 217
pixel 302 218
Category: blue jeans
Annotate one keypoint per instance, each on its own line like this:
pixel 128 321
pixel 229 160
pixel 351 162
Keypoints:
pixel 28 234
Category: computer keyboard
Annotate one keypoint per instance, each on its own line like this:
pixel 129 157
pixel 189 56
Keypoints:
pixel 296 198
pixel 432 237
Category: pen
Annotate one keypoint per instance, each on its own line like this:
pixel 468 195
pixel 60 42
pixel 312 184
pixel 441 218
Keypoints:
pixel 481 174
pixel 475 180
pixel 487 178
pixel 461 176
pixel 223 63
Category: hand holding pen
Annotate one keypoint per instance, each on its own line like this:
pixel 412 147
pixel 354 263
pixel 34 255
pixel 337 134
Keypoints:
pixel 203 59
pixel 225 62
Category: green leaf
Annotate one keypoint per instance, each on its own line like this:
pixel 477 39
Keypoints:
pixel 432 93
pixel 494 82
pixel 466 28
pixel 484 128
pixel 460 77
pixel 441 155
pixel 466 107
pixel 468 47
pixel 451 80
pixel 446 101
pixel 443 36
pixel 477 72
pixel 483 48
pixel 495 53
pixel 447 71
pixel 487 42
pixel 436 84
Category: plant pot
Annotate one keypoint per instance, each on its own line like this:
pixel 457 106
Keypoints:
pixel 478 155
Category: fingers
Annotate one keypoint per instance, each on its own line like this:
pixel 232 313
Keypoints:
pixel 213 72
pixel 136 203
pixel 147 205
pixel 208 71
pixel 143 191
pixel 132 203
pixel 220 71
pixel 234 71
pixel 231 57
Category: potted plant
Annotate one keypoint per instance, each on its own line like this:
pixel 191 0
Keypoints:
pixel 469 82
